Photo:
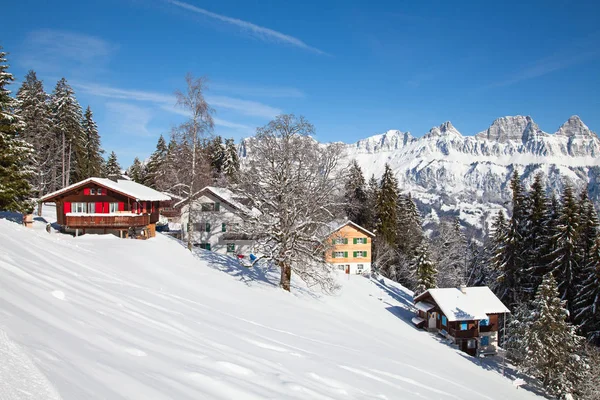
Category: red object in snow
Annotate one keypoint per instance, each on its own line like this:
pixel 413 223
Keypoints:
pixel 240 256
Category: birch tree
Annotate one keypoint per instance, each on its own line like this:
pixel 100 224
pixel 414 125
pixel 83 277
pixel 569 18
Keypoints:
pixel 188 137
pixel 294 185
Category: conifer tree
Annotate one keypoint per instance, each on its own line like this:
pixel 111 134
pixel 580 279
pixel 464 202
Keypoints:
pixel 535 237
pixel 15 154
pixel 216 154
pixel 67 124
pixel 449 254
pixel 372 193
pixel 425 269
pixel 588 227
pixel 90 162
pixel 355 195
pixel 136 171
pixel 156 164
pixel 112 167
pixel 551 344
pixel 512 260
pixel 34 110
pixel 496 253
pixel 565 258
pixel 387 206
pixel 231 162
pixel 587 303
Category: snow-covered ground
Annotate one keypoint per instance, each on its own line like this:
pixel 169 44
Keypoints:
pixel 97 317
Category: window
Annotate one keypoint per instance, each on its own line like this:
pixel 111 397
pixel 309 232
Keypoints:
pixel 207 207
pixel 464 326
pixel 340 254
pixel 79 208
pixel 113 207
pixel 217 206
pixel 340 241
pixel 471 344
pixel 342 267
pixel 92 191
pixel 485 340
pixel 99 191
pixel 91 208
pixel 224 227
pixel 230 247
pixel 360 254
pixel 359 267
pixel 484 322
pixel 360 240
pixel 203 245
pixel 444 320
pixel 207 227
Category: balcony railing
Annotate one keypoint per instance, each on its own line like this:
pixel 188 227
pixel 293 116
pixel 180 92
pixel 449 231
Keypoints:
pixel 107 221
pixel 469 333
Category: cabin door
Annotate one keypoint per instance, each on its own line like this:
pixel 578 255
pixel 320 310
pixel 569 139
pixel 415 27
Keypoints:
pixel 432 320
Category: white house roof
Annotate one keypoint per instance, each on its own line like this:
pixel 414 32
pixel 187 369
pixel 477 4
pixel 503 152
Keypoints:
pixel 474 304
pixel 360 228
pixel 224 194
pixel 424 306
pixel 126 187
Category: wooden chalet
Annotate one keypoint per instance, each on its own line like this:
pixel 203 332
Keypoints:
pixel 350 248
pixel 469 316
pixel 107 205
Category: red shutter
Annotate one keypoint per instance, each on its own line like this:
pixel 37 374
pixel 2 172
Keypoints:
pixel 98 208
pixel 105 207
pixel 121 206
pixel 67 207
pixel 86 191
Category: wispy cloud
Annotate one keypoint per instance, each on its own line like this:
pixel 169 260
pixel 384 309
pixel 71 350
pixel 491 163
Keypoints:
pixel 253 29
pixel 48 49
pixel 546 66
pixel 129 119
pixel 258 91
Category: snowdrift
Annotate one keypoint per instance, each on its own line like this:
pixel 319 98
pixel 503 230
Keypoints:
pixel 97 317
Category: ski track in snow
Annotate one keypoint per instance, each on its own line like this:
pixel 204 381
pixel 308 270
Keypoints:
pixel 124 319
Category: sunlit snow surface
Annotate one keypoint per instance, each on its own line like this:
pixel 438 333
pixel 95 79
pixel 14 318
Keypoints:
pixel 97 317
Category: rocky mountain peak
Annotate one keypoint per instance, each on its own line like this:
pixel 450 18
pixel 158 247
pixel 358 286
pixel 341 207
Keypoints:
pixel 575 127
pixel 445 129
pixel 511 128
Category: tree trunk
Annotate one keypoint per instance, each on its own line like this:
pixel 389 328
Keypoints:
pixel 286 276
pixel 192 182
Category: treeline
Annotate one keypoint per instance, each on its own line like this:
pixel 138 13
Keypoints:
pixel 217 163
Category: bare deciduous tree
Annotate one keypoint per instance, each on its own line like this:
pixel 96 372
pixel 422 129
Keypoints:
pixel 294 185
pixel 191 166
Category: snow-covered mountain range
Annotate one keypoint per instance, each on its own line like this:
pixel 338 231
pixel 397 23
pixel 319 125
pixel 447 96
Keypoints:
pixel 468 176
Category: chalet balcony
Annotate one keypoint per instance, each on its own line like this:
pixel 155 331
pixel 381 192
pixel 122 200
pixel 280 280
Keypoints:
pixel 469 333
pixel 115 220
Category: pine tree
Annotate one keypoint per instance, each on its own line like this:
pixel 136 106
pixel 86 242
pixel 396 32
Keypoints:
pixel 535 237
pixel 155 165
pixel 588 227
pixel 425 269
pixel 216 154
pixel 372 193
pixel 67 124
pixel 387 206
pixel 112 167
pixel 15 154
pixel 551 344
pixel 449 254
pixel 136 171
pixel 496 252
pixel 90 162
pixel 587 304
pixel 34 110
pixel 565 258
pixel 231 162
pixel 512 261
pixel 355 195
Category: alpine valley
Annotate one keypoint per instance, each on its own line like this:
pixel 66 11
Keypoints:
pixel 451 175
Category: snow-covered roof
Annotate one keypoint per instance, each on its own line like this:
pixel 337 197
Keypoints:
pixel 424 306
pixel 360 228
pixel 472 304
pixel 123 186
pixel 222 193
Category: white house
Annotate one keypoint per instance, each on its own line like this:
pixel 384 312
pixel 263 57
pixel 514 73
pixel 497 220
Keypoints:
pixel 218 215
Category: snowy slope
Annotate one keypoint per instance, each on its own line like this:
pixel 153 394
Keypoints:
pixel 103 317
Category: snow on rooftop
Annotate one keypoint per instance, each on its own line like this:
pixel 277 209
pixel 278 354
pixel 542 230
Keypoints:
pixel 474 304
pixel 127 187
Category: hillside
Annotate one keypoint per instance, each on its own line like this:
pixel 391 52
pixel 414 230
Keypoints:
pixel 102 317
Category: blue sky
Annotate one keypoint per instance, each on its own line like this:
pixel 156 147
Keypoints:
pixel 352 68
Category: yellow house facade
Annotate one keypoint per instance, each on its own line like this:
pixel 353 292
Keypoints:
pixel 350 248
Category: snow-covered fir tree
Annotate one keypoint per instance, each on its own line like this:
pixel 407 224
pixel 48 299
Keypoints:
pixel 565 258
pixel 66 114
pixel 136 171
pixel 111 167
pixel 231 161
pixel 387 207
pixel 216 153
pixel 587 303
pixel 449 252
pixel 15 154
pixel 355 195
pixel 588 230
pixel 372 193
pixel 552 347
pixel 425 269
pixel 90 163
pixel 156 164
pixel 409 226
pixel 34 111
